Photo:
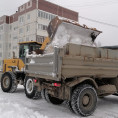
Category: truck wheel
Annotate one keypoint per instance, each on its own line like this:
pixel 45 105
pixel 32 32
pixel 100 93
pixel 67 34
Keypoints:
pixel 70 106
pixel 31 90
pixel 84 99
pixel 43 93
pixel 51 99
pixel 8 82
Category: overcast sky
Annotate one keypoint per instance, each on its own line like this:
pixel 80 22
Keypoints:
pixel 100 10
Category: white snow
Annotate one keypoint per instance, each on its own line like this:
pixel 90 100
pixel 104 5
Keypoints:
pixel 69 33
pixel 15 110
pixel 17 105
pixel 32 61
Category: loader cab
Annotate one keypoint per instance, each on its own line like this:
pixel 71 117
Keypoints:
pixel 31 46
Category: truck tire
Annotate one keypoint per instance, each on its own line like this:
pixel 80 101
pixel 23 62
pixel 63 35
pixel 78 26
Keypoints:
pixel 84 100
pixel 43 93
pixel 70 106
pixel 9 82
pixel 30 90
pixel 51 99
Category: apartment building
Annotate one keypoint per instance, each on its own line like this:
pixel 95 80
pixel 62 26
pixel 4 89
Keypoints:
pixel 29 23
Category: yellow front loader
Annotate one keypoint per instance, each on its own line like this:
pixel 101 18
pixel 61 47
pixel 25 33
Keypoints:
pixel 13 69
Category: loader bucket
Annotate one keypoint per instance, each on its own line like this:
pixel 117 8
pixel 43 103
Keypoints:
pixel 63 31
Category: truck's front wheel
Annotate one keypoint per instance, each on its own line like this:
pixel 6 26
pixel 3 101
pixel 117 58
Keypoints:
pixel 30 89
pixel 51 99
pixel 8 82
pixel 84 99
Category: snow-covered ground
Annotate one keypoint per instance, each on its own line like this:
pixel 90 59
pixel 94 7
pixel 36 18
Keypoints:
pixel 16 105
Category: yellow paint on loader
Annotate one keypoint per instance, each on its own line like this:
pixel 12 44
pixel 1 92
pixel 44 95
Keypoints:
pixel 12 62
pixel 46 41
pixel 18 62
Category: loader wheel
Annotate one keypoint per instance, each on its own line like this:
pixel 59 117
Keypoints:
pixel 51 99
pixel 84 99
pixel 31 90
pixel 9 82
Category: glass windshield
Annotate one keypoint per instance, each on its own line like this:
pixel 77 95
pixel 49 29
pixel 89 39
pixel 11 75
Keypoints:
pixel 31 47
pixel 23 49
pixel 34 47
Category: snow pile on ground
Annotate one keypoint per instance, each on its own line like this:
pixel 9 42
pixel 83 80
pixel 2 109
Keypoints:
pixel 17 105
pixel 13 110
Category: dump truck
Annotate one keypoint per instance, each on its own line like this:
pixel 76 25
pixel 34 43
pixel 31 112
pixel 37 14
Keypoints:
pixel 13 72
pixel 72 68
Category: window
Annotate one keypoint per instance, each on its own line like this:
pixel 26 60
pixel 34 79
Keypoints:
pixel 28 28
pixel 9 45
pixel 45 15
pixel 10 27
pixel 40 38
pixel 27 38
pixel 9 35
pixel 21 20
pixel 9 55
pixel 28 16
pixel 14 47
pixel 0 54
pixel 1 28
pixel 39 14
pixel 20 40
pixel 22 8
pixel 42 27
pixel 20 30
pixel 29 4
pixel 15 28
pixel 15 37
pixel 23 49
pixel 0 37
pixel 0 45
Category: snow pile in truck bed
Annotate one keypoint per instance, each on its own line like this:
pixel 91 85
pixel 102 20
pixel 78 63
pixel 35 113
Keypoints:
pixel 69 33
pixel 34 55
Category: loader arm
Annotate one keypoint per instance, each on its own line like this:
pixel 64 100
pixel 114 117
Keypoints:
pixel 46 41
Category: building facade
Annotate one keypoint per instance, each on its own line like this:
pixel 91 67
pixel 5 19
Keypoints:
pixel 29 23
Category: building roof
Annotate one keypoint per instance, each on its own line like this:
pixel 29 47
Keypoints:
pixel 42 5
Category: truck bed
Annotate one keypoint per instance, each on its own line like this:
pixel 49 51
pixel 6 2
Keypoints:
pixel 74 61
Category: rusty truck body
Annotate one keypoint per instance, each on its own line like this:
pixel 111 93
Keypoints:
pixel 75 71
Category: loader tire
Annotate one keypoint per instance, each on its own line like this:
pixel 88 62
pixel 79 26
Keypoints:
pixel 31 90
pixel 51 99
pixel 9 82
pixel 84 99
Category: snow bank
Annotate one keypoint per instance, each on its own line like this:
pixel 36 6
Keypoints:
pixel 13 110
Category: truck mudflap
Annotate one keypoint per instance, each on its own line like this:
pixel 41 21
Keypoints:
pixel 105 90
pixel 82 79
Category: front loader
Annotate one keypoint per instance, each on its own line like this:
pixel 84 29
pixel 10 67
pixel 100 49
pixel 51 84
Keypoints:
pixel 14 69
